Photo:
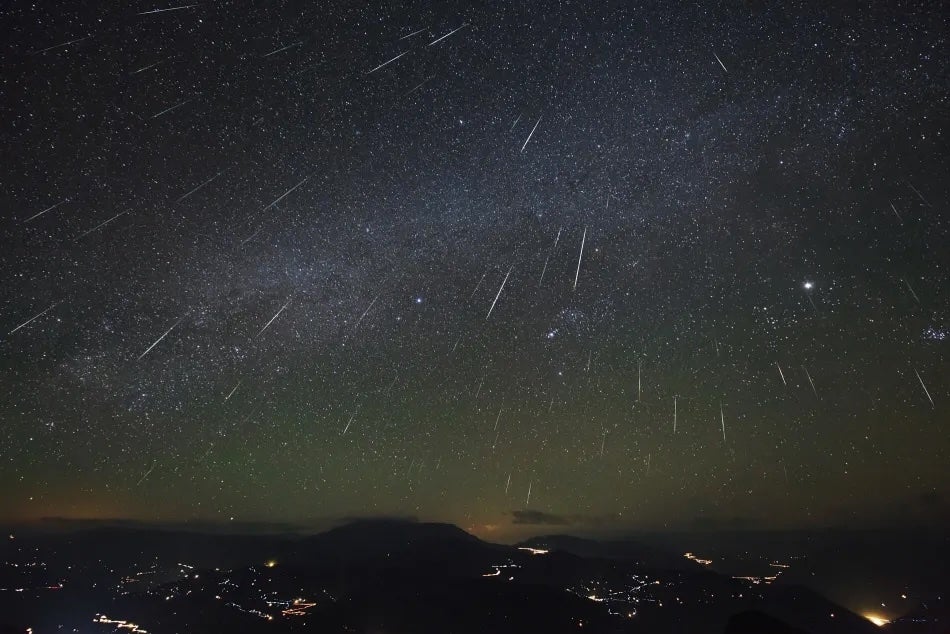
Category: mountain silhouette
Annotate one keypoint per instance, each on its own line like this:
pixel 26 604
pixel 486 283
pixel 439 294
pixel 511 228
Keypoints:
pixel 755 622
pixel 393 576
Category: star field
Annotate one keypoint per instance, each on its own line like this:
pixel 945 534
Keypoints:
pixel 661 266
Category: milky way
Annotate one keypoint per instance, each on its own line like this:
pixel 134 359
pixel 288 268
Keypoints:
pixel 297 261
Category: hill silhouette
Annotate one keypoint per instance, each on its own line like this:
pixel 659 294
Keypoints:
pixel 387 575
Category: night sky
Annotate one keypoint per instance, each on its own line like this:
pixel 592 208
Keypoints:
pixel 520 267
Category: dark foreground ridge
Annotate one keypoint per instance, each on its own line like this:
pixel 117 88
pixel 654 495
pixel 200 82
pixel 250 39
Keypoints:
pixel 384 576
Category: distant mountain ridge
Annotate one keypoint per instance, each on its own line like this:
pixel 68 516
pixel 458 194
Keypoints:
pixel 628 550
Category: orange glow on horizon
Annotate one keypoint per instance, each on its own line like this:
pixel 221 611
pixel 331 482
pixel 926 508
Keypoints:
pixel 877 619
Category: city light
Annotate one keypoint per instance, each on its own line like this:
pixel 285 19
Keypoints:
pixel 878 620
pixel 119 624
pixel 698 560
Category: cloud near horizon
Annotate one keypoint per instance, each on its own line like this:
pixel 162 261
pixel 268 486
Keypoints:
pixel 526 517
pixel 540 518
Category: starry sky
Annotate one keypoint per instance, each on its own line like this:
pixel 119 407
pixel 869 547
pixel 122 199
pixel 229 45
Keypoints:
pixel 517 266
